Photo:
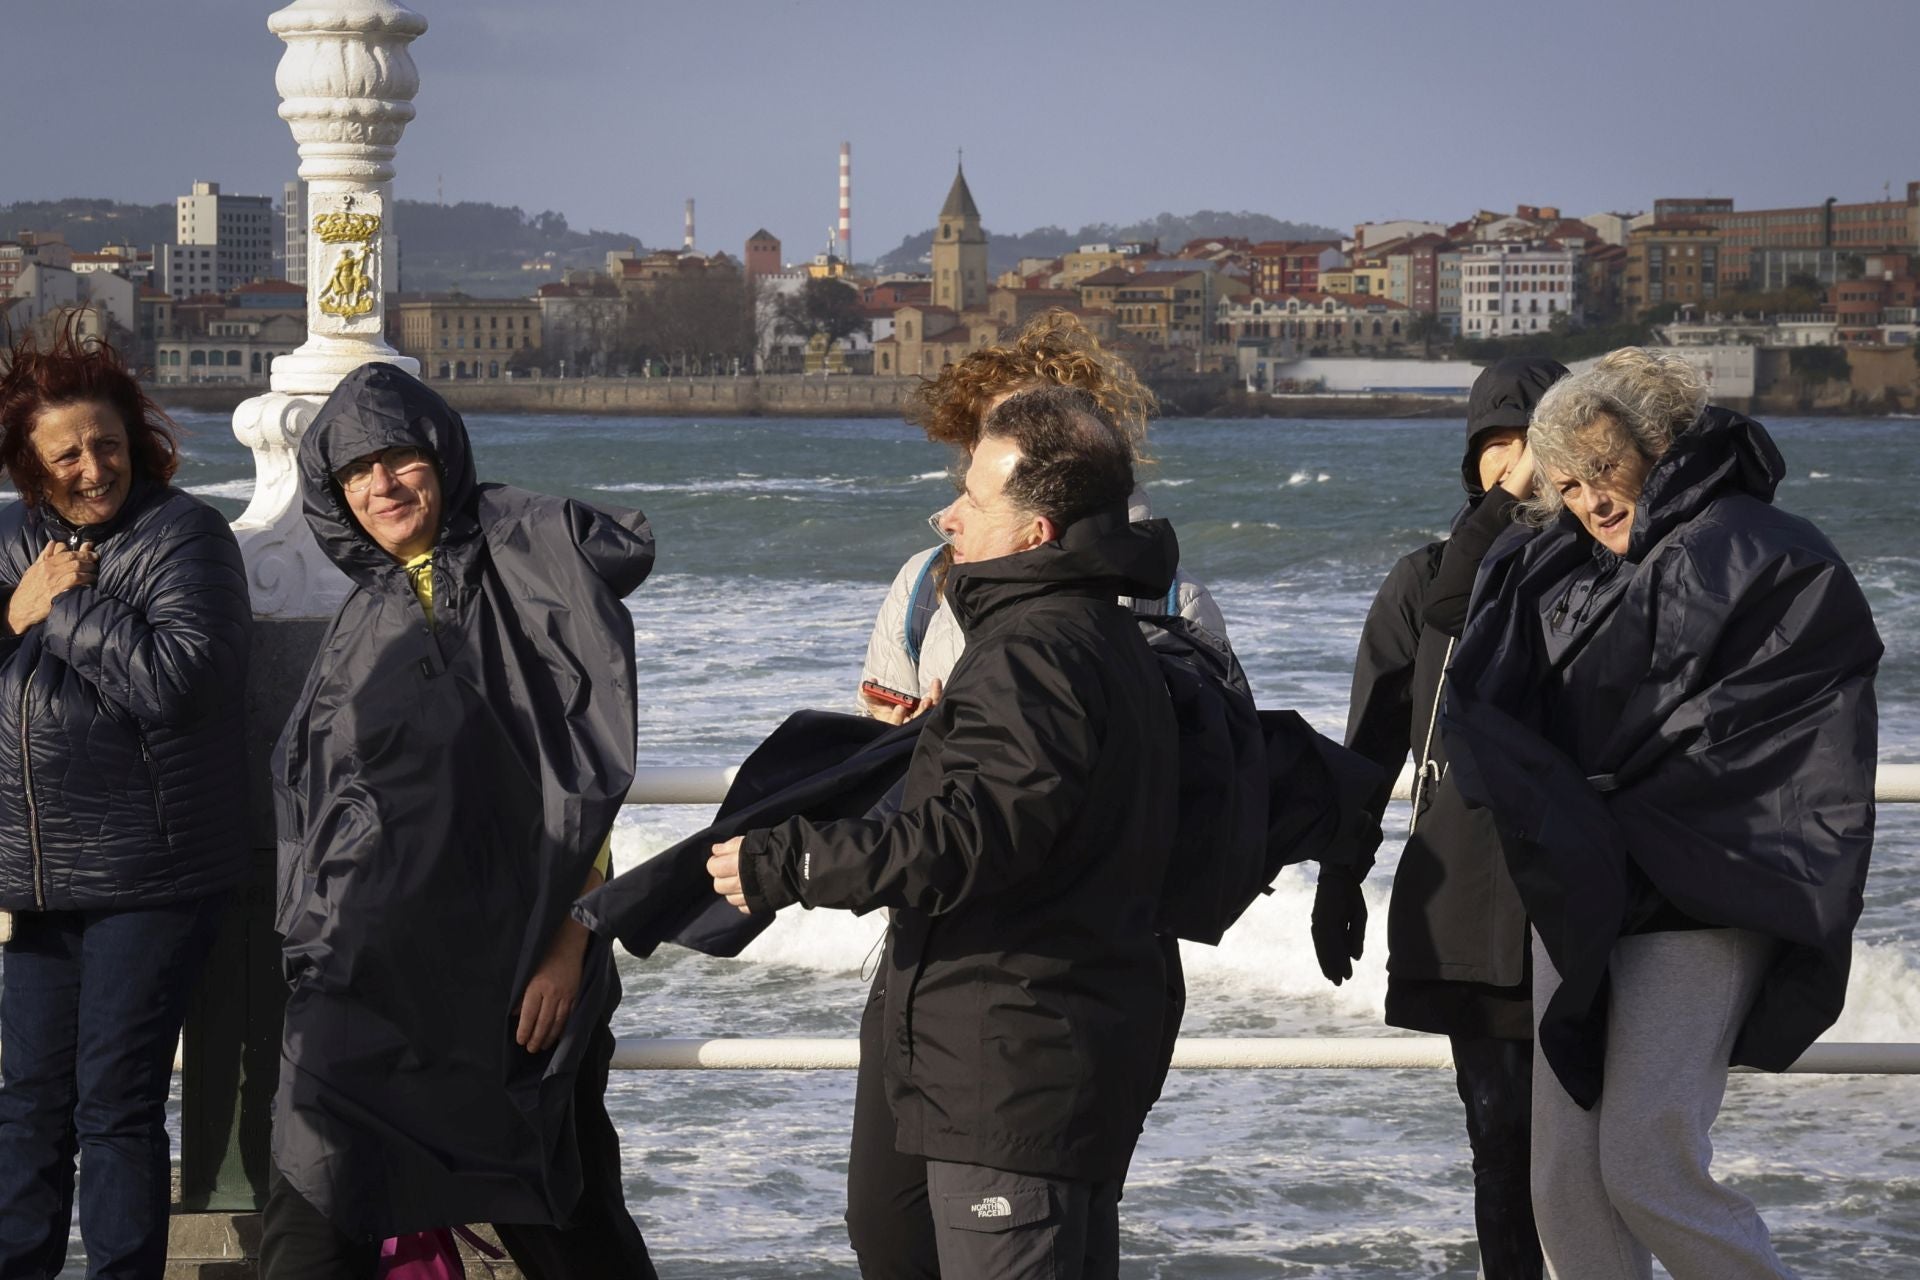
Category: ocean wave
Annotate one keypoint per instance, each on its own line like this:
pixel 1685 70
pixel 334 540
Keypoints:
pixel 737 484
pixel 224 488
pixel 1883 996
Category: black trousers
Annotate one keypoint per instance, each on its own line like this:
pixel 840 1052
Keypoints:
pixel 990 1224
pixel 1495 1079
pixel 889 1221
pixel 600 1241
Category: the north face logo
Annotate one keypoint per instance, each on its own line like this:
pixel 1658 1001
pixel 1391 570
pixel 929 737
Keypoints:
pixel 993 1207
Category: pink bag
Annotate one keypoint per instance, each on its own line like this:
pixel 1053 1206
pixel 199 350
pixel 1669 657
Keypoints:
pixel 424 1255
pixel 431 1255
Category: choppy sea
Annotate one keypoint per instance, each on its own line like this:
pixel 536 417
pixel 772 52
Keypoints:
pixel 777 541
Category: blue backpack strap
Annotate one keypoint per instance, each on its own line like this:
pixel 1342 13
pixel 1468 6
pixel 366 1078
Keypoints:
pixel 1173 599
pixel 922 604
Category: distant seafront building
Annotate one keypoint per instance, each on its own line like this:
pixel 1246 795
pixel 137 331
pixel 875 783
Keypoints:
pixel 1509 288
pixel 455 337
pixel 959 251
pixel 1671 262
pixel 293 214
pixel 239 230
pixel 927 337
pixel 1748 236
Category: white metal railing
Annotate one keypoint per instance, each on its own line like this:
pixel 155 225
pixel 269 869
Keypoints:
pixel 1342 1053
pixel 707 784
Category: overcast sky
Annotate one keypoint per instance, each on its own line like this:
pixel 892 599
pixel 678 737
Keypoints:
pixel 1070 111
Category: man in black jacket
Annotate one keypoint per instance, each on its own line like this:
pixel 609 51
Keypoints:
pixel 1456 930
pixel 1024 986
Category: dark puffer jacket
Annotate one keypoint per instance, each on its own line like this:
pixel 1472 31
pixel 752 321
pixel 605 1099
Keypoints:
pixel 1026 990
pixel 121 715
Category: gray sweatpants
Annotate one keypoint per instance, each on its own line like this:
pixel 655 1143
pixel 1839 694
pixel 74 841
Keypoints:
pixel 1630 1180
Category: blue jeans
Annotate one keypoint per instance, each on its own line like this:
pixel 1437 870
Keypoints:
pixel 90 1007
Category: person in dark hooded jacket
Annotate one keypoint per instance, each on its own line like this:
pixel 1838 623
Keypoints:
pixel 1456 930
pixel 123 663
pixel 1025 990
pixel 445 788
pixel 1665 698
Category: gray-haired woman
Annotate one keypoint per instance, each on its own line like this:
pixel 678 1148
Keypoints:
pixel 1665 696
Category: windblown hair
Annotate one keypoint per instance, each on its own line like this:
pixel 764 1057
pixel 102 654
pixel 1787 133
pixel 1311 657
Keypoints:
pixel 1074 459
pixel 1632 399
pixel 1054 350
pixel 74 370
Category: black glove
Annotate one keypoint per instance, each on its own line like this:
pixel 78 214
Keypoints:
pixel 1339 923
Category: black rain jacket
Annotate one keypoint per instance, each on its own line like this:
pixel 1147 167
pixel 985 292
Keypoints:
pixel 441 796
pixel 1025 984
pixel 1702 722
pixel 122 714
pixel 1456 927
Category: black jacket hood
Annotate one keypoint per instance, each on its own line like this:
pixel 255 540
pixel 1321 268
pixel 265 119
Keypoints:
pixel 1101 554
pixel 379 406
pixel 1504 395
pixel 1722 453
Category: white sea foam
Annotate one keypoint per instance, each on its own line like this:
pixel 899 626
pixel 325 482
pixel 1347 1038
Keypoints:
pixel 1883 996
pixel 1322 478
pixel 1298 478
pixel 739 484
pixel 224 489
pixel 1818 475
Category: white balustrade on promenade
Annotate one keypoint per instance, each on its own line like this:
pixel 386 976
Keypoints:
pixel 1246 1053
pixel 707 784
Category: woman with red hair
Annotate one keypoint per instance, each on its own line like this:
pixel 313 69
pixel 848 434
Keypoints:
pixel 124 629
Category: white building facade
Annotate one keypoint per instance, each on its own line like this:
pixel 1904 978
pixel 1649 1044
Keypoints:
pixel 240 229
pixel 1509 288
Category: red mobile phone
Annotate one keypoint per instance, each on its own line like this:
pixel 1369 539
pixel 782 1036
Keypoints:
pixel 897 698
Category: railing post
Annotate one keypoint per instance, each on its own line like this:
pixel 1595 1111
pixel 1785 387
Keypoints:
pixel 346 82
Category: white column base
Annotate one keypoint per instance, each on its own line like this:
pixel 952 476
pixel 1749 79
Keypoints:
pixel 288 576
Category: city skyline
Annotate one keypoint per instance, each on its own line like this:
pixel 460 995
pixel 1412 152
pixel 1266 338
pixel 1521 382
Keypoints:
pixel 1069 115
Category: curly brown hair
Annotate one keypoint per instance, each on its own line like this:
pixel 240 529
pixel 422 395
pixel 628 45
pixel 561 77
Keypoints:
pixel 70 370
pixel 1054 349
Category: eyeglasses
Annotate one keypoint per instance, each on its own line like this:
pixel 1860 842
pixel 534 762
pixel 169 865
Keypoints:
pixel 933 523
pixel 399 461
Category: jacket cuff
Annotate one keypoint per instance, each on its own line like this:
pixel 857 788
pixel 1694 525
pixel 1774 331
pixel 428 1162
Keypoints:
pixel 761 883
pixel 1490 519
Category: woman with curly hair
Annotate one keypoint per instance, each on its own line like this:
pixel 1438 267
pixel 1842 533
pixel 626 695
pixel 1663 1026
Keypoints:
pixel 123 666
pixel 915 640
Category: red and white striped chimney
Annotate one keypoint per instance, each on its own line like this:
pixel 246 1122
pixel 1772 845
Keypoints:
pixel 846 203
pixel 689 239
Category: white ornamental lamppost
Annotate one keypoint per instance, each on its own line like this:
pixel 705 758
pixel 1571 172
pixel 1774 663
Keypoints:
pixel 346 84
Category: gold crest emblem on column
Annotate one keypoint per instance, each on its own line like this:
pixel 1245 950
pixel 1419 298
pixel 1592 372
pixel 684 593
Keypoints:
pixel 348 291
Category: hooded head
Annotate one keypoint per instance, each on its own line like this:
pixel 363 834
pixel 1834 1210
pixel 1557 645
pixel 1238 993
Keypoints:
pixel 378 407
pixel 1504 395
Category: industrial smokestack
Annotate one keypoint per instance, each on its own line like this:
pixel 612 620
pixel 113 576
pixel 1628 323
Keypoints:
pixel 846 203
pixel 689 243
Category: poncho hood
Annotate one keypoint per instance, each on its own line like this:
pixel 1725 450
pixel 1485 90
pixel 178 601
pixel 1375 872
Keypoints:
pixel 379 406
